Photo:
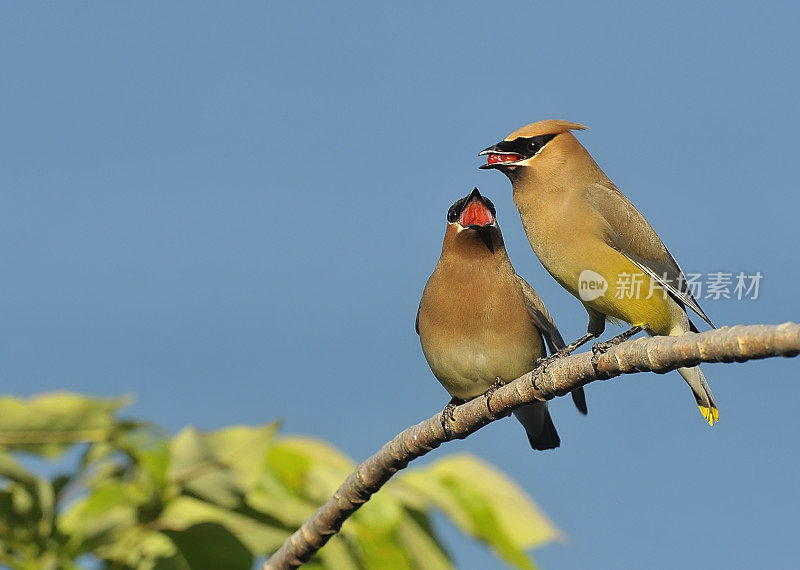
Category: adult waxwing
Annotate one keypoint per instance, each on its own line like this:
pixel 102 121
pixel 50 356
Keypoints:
pixel 481 324
pixel 592 240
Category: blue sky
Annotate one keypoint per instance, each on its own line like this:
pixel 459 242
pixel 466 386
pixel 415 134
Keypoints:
pixel 230 210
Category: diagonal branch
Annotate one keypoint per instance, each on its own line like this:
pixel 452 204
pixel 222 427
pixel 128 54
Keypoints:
pixel 659 354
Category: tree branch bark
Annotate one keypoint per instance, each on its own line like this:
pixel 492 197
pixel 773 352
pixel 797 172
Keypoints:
pixel 658 354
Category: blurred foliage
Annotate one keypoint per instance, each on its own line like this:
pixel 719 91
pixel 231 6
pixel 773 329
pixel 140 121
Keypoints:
pixel 136 498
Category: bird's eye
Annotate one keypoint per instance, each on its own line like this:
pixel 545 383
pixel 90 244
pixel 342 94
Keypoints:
pixel 455 210
pixel 534 146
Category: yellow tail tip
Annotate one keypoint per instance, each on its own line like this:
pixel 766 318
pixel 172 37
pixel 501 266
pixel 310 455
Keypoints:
pixel 711 415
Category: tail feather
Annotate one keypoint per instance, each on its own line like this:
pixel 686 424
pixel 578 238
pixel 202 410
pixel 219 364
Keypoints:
pixel 538 424
pixel 579 398
pixel 702 393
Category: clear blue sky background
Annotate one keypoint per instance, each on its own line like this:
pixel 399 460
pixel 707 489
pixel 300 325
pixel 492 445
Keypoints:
pixel 230 210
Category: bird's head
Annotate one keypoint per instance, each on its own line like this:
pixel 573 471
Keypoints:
pixel 471 219
pixel 531 146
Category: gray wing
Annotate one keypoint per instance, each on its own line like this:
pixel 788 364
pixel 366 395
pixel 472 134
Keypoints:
pixel 628 232
pixel 541 317
pixel 555 342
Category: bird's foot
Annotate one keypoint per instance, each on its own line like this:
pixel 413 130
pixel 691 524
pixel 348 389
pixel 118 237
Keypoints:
pixel 543 363
pixel 447 415
pixel 599 348
pixel 493 388
pixel 490 392
pixel 566 351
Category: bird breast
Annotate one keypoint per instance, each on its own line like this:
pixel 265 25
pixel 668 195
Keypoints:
pixel 474 330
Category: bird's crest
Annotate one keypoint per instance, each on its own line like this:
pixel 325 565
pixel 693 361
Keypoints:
pixel 548 127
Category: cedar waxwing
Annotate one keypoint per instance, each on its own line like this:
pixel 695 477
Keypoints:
pixel 481 324
pixel 590 238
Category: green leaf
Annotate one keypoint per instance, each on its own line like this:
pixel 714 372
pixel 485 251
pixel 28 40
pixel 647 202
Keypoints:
pixel 137 547
pixel 210 546
pixel 484 503
pixel 382 513
pixel 154 461
pixel 218 499
pixel 336 555
pixel 282 504
pixel 243 449
pixel 46 502
pixel 422 545
pixel 11 469
pixel 378 550
pixel 47 561
pixel 31 498
pixel 49 423
pixel 311 467
pixel 105 509
pixel 195 465
pixel 184 512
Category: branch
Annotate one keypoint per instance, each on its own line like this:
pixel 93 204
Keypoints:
pixel 658 354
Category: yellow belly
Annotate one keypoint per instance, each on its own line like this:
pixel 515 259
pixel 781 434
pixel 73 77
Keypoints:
pixel 608 282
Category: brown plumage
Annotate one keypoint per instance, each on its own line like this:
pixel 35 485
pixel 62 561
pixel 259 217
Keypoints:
pixel 581 226
pixel 546 127
pixel 479 321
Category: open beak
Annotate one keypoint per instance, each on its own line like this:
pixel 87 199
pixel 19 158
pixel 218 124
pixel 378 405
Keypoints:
pixel 476 213
pixel 497 157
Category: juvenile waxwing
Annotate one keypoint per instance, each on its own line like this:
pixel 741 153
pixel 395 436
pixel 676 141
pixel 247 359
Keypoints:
pixel 595 243
pixel 481 324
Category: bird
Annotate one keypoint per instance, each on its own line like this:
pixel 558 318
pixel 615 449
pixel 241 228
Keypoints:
pixel 590 237
pixel 480 324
